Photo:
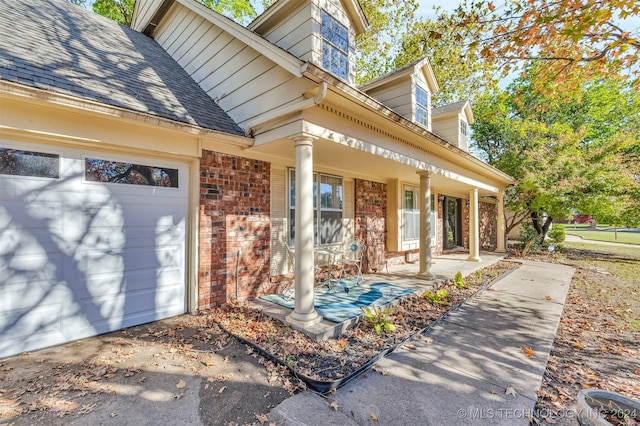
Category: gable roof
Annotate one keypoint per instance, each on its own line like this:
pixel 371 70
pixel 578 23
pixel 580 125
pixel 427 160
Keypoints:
pixel 422 65
pixel 60 47
pixel 454 108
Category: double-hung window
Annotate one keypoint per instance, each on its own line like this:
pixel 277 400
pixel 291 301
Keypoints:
pixel 464 128
pixel 422 106
pixel 411 214
pixel 335 46
pixel 328 197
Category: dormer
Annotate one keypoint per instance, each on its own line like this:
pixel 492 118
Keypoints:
pixel 407 91
pixel 321 32
pixel 452 122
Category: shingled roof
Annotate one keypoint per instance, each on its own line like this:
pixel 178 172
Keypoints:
pixel 60 47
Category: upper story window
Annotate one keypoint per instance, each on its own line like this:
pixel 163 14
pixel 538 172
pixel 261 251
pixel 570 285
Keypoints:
pixel 422 106
pixel 335 46
pixel 464 128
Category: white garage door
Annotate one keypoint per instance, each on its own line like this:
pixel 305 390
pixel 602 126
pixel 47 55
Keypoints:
pixel 89 243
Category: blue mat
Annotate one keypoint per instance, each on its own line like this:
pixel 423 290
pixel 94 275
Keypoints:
pixel 343 300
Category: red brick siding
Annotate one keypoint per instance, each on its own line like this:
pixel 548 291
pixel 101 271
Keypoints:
pixel 488 225
pixel 234 215
pixel 370 213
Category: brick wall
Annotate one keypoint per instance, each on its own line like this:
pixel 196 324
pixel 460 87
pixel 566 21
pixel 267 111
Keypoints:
pixel 370 221
pixel 234 216
pixel 488 226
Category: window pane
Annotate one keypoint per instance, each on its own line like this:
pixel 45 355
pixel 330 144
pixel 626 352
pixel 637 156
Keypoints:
pixel 128 173
pixel 28 163
pixel 330 192
pixel 330 227
pixel 411 219
pixel 422 116
pixel 409 199
pixel 292 188
pixel 422 97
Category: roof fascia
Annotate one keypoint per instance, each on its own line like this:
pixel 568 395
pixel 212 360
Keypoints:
pixel 366 101
pixel 427 71
pixel 281 57
pixel 19 91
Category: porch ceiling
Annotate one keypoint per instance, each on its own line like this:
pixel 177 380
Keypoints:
pixel 332 157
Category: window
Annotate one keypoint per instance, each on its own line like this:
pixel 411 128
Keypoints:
pixel 422 106
pixel 335 46
pixel 411 215
pixel 464 128
pixel 128 173
pixel 328 217
pixel 29 163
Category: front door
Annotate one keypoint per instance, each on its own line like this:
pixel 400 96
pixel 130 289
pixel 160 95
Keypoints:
pixel 451 226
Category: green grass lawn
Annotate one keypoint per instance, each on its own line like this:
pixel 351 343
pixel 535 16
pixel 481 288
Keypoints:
pixel 604 234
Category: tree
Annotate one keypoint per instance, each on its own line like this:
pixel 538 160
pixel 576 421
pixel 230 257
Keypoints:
pixel 120 11
pixel 579 40
pixel 568 154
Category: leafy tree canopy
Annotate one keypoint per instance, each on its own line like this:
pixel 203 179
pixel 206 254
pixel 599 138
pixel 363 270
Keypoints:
pixel 568 154
pixel 578 40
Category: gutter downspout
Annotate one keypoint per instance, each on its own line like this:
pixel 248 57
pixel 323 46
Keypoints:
pixel 288 109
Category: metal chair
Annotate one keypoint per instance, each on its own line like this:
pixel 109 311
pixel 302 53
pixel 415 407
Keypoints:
pixel 353 254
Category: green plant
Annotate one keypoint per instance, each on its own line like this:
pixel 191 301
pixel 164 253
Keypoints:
pixel 378 318
pixel 437 297
pixel 289 360
pixel 557 234
pixel 530 240
pixel 458 281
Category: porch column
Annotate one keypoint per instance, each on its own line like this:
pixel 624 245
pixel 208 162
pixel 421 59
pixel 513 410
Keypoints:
pixel 425 226
pixel 474 229
pixel 304 314
pixel 500 243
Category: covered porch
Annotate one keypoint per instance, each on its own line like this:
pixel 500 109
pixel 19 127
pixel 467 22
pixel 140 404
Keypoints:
pixel 444 267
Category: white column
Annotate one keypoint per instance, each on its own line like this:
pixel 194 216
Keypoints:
pixel 425 226
pixel 304 314
pixel 474 229
pixel 500 243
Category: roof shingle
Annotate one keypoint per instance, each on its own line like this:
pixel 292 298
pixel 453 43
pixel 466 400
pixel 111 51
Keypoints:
pixel 57 46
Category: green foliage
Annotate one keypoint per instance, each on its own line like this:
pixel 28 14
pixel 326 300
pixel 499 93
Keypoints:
pixel 567 153
pixel 556 234
pixel 458 281
pixel 529 239
pixel 378 318
pixel 120 11
pixel 438 297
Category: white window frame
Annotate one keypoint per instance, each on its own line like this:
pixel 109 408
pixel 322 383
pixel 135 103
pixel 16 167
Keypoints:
pixel 464 128
pixel 335 51
pixel 318 208
pixel 415 213
pixel 422 114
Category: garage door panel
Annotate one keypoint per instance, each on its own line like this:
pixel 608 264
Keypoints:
pixel 79 257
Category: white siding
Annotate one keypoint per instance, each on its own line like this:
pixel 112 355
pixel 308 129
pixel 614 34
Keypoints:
pixel 448 128
pixel 397 96
pixel 294 33
pixel 143 12
pixel 243 82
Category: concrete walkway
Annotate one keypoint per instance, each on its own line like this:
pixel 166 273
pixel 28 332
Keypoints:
pixel 470 368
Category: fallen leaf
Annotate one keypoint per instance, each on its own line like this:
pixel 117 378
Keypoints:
pixel 262 418
pixel 181 384
pixel 113 414
pixel 374 417
pixel 222 389
pixel 410 346
pixel 334 405
pixel 428 340
pixel 579 344
pixel 548 297
pixel 510 391
pixel 528 351
pixel 637 372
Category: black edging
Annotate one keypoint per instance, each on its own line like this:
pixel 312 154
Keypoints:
pixel 326 387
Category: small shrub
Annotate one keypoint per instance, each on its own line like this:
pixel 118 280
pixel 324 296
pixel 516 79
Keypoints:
pixel 530 240
pixel 437 297
pixel 557 234
pixel 458 281
pixel 378 318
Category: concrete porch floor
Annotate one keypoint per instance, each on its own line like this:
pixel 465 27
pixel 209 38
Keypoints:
pixel 444 268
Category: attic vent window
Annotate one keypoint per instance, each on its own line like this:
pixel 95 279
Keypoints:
pixel 335 46
pixel 422 106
